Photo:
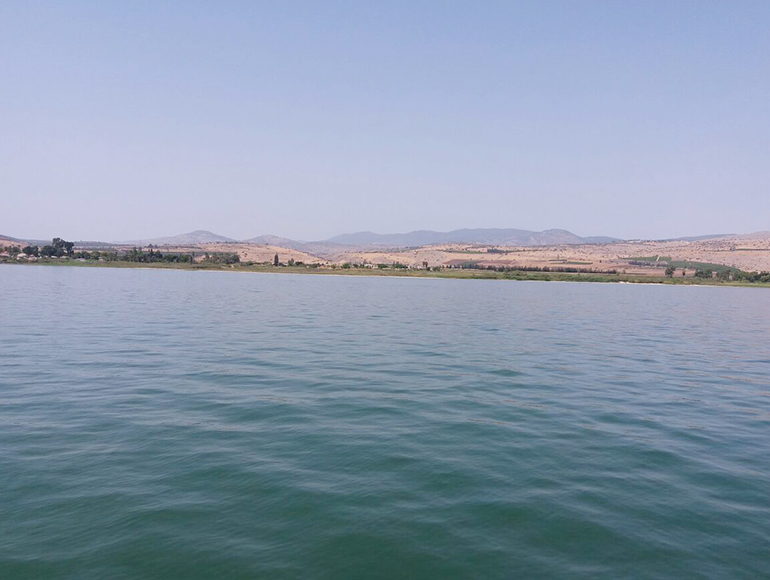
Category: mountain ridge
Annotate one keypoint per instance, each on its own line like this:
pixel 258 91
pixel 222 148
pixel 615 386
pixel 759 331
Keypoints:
pixel 271 240
pixel 493 236
pixel 190 238
pixel 368 239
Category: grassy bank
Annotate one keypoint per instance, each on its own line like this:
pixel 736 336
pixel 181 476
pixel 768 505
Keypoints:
pixel 448 273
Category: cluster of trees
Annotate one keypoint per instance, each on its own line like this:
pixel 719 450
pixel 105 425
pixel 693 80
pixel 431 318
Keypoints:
pixel 394 265
pixel 222 258
pixel 58 248
pixel 725 274
pixel 753 277
pixel 12 250
pixel 98 255
pixel 734 275
pixel 560 269
pixel 706 274
pixel 152 255
pixel 647 263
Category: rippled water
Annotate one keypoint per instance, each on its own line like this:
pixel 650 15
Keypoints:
pixel 171 424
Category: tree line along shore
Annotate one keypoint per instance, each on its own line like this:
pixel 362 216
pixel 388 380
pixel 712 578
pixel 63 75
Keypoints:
pixel 62 252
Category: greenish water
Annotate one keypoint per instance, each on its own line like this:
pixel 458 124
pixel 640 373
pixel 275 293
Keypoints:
pixel 172 424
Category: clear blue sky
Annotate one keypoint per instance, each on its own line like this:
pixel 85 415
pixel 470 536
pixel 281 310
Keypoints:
pixel 308 119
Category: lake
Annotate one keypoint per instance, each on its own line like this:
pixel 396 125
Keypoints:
pixel 178 424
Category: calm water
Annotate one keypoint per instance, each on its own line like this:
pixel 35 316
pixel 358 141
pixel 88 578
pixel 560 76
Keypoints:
pixel 162 424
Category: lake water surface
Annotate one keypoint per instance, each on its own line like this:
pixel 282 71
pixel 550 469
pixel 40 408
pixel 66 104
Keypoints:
pixel 176 424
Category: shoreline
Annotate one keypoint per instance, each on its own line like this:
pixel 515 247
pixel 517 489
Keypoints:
pixel 446 274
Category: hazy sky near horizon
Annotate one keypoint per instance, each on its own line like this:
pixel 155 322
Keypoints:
pixel 124 120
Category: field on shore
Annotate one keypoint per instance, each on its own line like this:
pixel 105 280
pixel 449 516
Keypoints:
pixel 446 273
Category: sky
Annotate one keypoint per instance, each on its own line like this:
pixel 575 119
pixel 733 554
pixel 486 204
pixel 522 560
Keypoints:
pixel 126 120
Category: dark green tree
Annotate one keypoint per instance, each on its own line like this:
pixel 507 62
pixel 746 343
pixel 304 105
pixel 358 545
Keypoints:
pixel 62 247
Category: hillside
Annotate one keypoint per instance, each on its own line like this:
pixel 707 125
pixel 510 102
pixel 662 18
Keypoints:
pixel 270 240
pixel 196 237
pixel 492 236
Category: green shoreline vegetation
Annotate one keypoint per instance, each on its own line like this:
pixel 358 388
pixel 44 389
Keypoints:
pixel 62 253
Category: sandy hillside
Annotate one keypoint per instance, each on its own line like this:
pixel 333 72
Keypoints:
pixel 751 253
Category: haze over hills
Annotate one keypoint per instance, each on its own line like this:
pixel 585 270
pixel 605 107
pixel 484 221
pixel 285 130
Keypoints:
pixel 509 248
pixel 196 237
pixel 706 237
pixel 763 235
pixel 488 236
pixel 496 236
pixel 8 240
pixel 270 240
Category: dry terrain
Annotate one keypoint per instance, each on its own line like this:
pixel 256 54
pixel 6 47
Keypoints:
pixel 749 253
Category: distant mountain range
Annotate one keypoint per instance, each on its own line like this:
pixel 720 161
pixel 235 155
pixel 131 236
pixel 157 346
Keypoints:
pixel 488 236
pixel 707 237
pixel 196 237
pixel 269 240
pixel 8 240
pixel 502 237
